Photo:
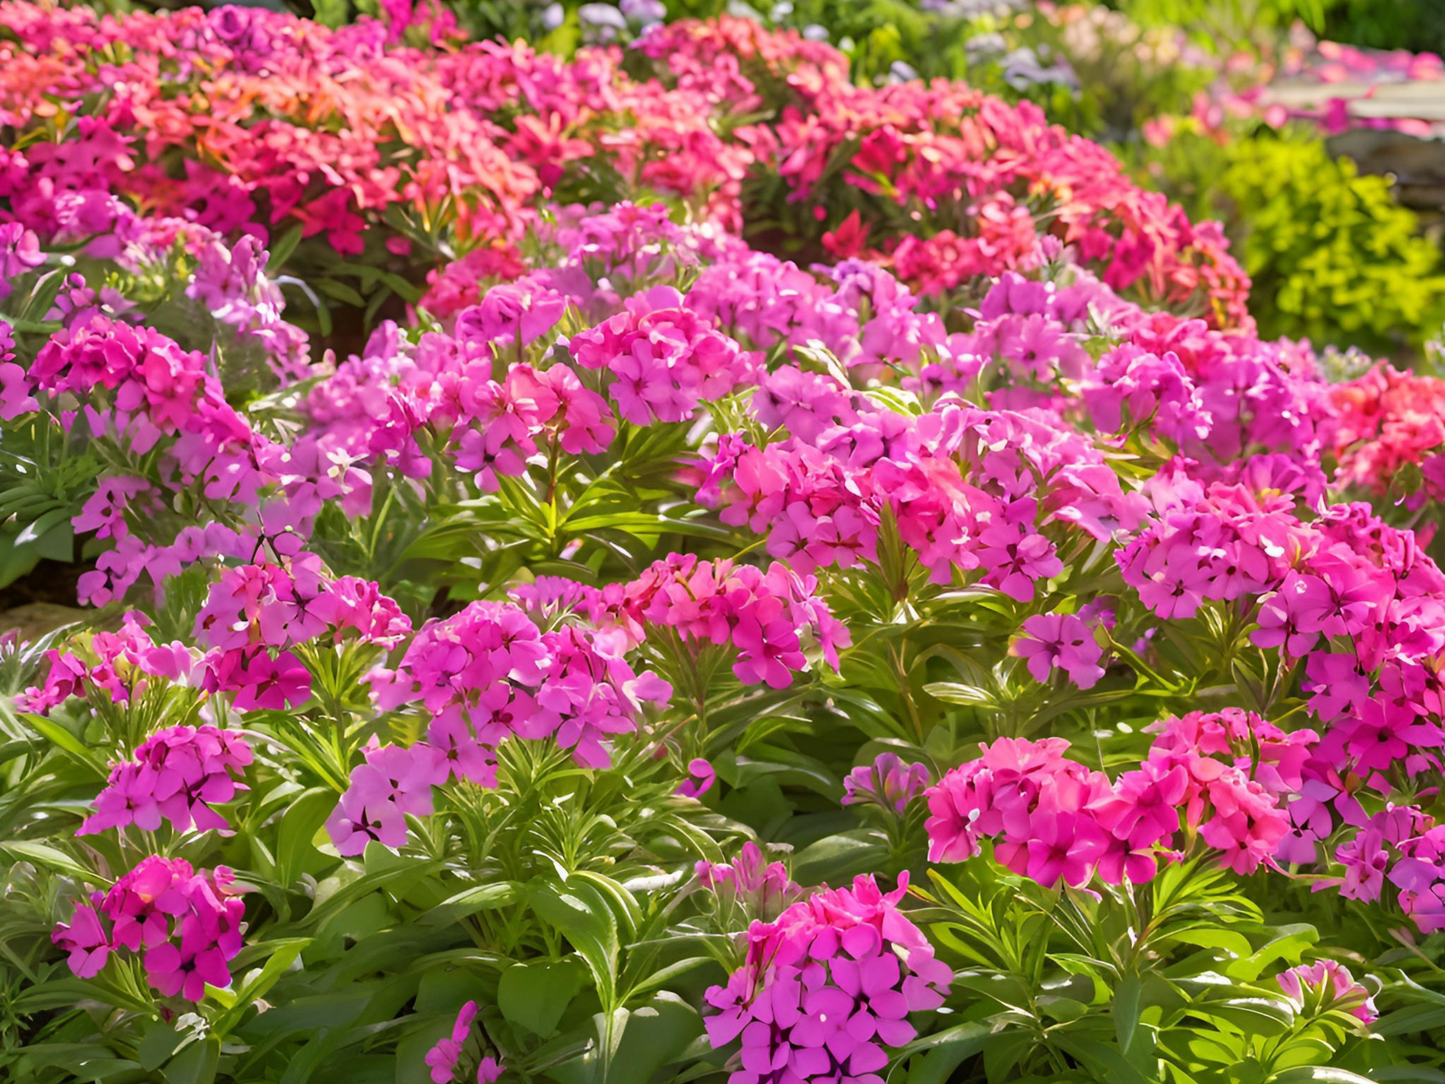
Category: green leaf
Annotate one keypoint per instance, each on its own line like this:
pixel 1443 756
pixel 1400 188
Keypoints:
pixel 51 858
pixel 367 883
pixel 282 249
pixel 1249 1015
pixel 295 849
pixel 836 858
pixel 1410 1019
pixel 61 738
pixel 1106 1062
pixel 656 1034
pixel 942 1053
pixel 196 1064
pixel 581 915
pixel 283 955
pixel 663 976
pixel 535 994
pixel 1125 1010
pixel 469 901
pixel 158 1044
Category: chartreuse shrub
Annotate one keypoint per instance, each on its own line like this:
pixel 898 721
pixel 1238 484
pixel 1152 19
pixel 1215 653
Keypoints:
pixel 1331 255
pixel 641 658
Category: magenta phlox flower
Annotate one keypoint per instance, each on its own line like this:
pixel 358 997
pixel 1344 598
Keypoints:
pixel 177 775
pixel 444 1056
pixel 827 989
pixel 701 775
pixel 511 313
pixel 1326 984
pixel 188 922
pixel 1064 641
pixel 888 782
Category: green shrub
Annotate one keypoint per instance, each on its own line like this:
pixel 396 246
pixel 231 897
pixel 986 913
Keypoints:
pixel 1332 254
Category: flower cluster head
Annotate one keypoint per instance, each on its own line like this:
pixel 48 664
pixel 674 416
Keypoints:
pixel 1229 770
pixel 271 605
pixel 254 614
pixel 762 888
pixel 968 489
pixel 1037 804
pixel 153 388
pixel 889 782
pixel 663 357
pixel 446 1055
pixel 177 776
pixel 118 665
pixel 185 924
pixel 1327 986
pixel 1387 429
pixel 1062 641
pixel 405 404
pixel 395 782
pixel 1052 819
pixel 1136 389
pixel 826 990
pixel 489 673
pixel 485 675
pixel 771 619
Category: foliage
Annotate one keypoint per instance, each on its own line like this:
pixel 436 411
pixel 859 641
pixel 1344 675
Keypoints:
pixel 597 649
pixel 1331 255
pixel 1402 24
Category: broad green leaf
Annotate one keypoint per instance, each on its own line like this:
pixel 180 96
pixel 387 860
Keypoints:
pixel 255 986
pixel 58 736
pixel 196 1064
pixel 940 1054
pixel 469 901
pixel 1125 1010
pixel 580 913
pixel 295 848
pixel 51 858
pixel 535 994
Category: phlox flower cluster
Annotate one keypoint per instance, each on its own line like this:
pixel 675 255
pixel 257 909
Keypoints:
pixel 176 776
pixel 1353 605
pixel 1349 600
pixel 763 889
pixel 144 393
pixel 118 666
pixel 445 1057
pixel 827 989
pixel 663 358
pixel 254 614
pixel 770 618
pixel 1327 985
pixel 1399 847
pixel 156 388
pixel 1386 424
pixel 1051 819
pixel 482 676
pixel 889 782
pixel 402 403
pixel 184 924
pixel 1060 641
pixel 968 489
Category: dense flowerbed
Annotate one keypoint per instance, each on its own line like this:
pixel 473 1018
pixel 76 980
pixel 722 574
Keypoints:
pixel 671 565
